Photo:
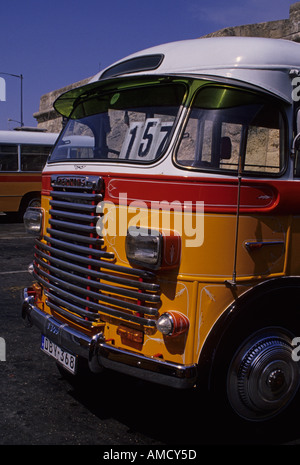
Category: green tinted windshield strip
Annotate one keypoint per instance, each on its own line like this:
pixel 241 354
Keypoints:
pixel 67 101
pixel 213 97
pixel 130 99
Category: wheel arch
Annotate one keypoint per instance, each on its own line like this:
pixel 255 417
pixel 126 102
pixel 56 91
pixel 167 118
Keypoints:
pixel 27 198
pixel 273 291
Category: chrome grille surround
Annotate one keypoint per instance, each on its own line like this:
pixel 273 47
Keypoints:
pixel 80 278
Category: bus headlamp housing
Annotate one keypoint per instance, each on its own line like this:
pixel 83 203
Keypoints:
pixel 153 249
pixel 33 220
pixel 144 248
pixel 172 323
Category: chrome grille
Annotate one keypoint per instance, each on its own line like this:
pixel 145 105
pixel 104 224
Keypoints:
pixel 81 280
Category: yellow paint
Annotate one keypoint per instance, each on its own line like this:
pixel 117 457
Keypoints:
pixel 197 288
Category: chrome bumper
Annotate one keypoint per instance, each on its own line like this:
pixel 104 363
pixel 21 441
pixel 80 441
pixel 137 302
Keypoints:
pixel 101 355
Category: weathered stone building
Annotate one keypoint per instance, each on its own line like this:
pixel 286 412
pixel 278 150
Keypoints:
pixel 47 118
pixel 288 29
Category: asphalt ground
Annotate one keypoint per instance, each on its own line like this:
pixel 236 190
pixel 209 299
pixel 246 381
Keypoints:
pixel 40 407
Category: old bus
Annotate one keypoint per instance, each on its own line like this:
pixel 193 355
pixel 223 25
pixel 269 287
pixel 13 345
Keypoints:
pixel 23 155
pixel 170 249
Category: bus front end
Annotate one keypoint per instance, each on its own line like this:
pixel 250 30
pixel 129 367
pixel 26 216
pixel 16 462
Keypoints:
pixel 105 268
pixel 167 240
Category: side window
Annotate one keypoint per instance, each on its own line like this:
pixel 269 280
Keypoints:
pixel 8 157
pixel 78 142
pixel 263 150
pixel 207 145
pixel 230 145
pixel 226 125
pixel 34 157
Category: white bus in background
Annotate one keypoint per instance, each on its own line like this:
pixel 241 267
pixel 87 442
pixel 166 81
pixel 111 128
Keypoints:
pixel 23 154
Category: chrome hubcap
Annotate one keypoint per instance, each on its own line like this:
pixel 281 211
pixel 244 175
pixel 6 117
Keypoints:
pixel 263 378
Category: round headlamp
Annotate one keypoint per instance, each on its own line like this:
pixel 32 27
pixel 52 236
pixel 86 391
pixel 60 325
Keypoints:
pixel 172 323
pixel 33 218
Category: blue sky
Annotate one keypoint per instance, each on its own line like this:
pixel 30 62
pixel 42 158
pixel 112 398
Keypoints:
pixel 53 43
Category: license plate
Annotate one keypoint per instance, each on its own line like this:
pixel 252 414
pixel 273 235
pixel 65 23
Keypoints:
pixel 64 358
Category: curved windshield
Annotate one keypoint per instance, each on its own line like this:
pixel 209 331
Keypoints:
pixel 131 124
pixel 229 126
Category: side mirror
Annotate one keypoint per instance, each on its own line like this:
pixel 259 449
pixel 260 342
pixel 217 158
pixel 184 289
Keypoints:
pixel 296 141
pixel 296 144
pixel 296 147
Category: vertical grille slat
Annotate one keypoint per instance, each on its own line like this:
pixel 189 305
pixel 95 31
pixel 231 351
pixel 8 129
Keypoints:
pixel 81 279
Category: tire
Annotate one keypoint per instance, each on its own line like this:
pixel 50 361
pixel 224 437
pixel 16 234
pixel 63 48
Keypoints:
pixel 255 375
pixel 27 203
pixel 35 202
pixel 263 378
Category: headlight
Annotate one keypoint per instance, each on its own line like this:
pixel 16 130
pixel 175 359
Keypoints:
pixel 145 248
pixel 33 219
pixel 150 248
pixel 172 323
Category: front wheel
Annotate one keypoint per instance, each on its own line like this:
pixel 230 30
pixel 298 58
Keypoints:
pixel 263 377
pixel 255 375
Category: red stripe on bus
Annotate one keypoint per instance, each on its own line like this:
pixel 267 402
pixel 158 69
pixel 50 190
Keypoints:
pixel 218 194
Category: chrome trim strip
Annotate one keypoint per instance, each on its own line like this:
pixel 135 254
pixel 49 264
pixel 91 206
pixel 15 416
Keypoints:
pixel 75 237
pixel 89 304
pixel 99 264
pixel 100 354
pixel 98 274
pixel 94 295
pixel 78 248
pixel 74 227
pixel 73 206
pixel 73 216
pixel 74 278
pixel 76 195
pixel 254 245
pixel 68 315
pixel 81 311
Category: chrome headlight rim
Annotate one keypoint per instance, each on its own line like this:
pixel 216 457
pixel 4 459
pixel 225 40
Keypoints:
pixel 33 221
pixel 136 239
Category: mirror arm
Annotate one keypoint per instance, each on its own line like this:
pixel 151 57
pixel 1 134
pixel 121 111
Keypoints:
pixel 294 144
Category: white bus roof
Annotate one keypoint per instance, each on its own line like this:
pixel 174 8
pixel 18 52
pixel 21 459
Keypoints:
pixel 28 137
pixel 260 62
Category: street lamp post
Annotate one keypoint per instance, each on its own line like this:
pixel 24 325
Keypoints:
pixel 20 76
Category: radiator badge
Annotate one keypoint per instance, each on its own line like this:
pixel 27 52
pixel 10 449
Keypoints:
pixel 91 182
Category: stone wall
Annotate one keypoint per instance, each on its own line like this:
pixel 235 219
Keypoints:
pixel 282 29
pixel 47 118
